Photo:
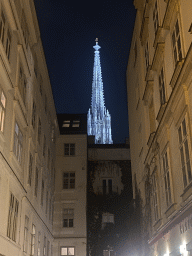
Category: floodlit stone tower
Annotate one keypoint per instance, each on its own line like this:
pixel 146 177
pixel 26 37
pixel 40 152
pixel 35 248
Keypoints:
pixel 98 118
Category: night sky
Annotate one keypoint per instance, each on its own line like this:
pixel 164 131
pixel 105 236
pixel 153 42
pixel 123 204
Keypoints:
pixel 68 31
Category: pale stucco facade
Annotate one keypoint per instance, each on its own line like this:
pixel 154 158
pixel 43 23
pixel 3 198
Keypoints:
pixel 159 91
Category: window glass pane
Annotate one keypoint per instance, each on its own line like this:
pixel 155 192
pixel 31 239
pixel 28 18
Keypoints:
pixel 184 127
pixel 180 135
pixel 71 251
pixel 63 251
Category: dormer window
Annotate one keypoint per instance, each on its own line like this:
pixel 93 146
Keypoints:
pixel 66 123
pixel 76 123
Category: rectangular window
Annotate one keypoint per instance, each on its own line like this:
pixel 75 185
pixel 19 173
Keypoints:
pixel 39 244
pixel 67 251
pixel 46 202
pixel 33 115
pixel 12 218
pixel 155 17
pixel 41 84
pixel 147 55
pixel 33 240
pixel 162 87
pixel 44 246
pixel 30 169
pixel 69 149
pixel 48 249
pixel 45 104
pixel 42 192
pixel 36 181
pixel 2 27
pixel 107 186
pixel 18 143
pixel 2 111
pixel 176 43
pixel 184 153
pixel 68 180
pixel 26 231
pixel 39 132
pixel 154 197
pixel 8 44
pixel 167 179
pixel 44 145
pixel 25 29
pixel 50 208
pixel 68 218
pixel 22 84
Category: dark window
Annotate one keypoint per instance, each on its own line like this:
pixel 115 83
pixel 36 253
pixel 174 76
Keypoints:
pixel 68 180
pixel 69 149
pixel 68 217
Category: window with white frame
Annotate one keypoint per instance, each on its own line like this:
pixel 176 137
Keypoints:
pixel 42 192
pixel 36 181
pixel 22 84
pixel 12 217
pixel 18 143
pixel 68 180
pixel 176 43
pixel 167 183
pixel 30 169
pixel 33 239
pixel 154 196
pixel 155 17
pixel 67 250
pixel 2 110
pixel 33 115
pixel 184 152
pixel 162 87
pixel 69 149
pixel 26 232
pixel 68 218
pixel 39 244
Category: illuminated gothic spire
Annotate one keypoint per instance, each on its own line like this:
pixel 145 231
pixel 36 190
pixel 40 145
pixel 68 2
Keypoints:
pixel 98 118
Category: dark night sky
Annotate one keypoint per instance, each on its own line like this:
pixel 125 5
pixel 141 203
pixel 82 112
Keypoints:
pixel 68 32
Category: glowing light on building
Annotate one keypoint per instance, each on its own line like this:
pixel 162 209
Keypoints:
pixel 98 118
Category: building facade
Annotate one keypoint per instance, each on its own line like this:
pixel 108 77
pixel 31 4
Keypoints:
pixel 159 91
pixel 28 129
pixel 70 221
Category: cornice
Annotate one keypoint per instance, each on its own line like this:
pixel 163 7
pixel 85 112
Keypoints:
pixel 172 8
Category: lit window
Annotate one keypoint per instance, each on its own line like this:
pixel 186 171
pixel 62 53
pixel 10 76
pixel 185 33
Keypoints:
pixel 68 180
pixel 67 251
pixel 184 153
pixel 154 196
pixel 167 179
pixel 176 43
pixel 162 87
pixel 26 230
pixel 155 17
pixel 18 143
pixel 30 169
pixel 33 240
pixel 76 123
pixel 68 218
pixel 12 218
pixel 66 123
pixel 69 149
pixel 2 111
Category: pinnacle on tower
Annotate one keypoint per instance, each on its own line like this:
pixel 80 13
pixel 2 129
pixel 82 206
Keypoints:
pixel 98 118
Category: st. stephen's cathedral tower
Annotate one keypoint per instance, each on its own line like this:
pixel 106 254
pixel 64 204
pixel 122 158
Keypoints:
pixel 98 118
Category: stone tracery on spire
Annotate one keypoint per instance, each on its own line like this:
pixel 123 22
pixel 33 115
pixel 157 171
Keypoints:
pixel 98 118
